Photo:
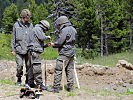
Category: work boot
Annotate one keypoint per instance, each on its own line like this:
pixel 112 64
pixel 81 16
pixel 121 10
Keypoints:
pixel 26 81
pixel 42 87
pixel 18 83
pixel 54 90
pixel 32 85
pixel 70 89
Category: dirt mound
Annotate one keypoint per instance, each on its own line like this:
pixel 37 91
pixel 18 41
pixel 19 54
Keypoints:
pixel 7 70
pixel 103 77
pixel 91 76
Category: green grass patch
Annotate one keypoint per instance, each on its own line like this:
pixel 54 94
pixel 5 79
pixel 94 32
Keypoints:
pixel 110 60
pixel 9 82
pixel 130 91
pixel 104 92
pixel 81 60
pixel 49 54
pixel 5 49
pixel 72 94
pixel 8 94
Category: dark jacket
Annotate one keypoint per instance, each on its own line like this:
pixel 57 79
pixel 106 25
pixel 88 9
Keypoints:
pixel 37 39
pixel 65 42
pixel 20 37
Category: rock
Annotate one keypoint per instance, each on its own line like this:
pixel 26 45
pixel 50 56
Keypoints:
pixel 130 81
pixel 125 64
pixel 114 88
pixel 124 85
pixel 90 73
pixel 96 82
pixel 100 71
pixel 80 67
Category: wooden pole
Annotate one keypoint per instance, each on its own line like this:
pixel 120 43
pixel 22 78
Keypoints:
pixel 76 76
pixel 45 74
pixel 63 80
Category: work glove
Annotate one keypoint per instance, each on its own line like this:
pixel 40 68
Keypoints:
pixel 49 37
pixel 13 53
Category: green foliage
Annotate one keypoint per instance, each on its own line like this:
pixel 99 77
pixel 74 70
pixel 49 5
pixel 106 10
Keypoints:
pixel 5 47
pixel 112 14
pixel 87 54
pixel 115 19
pixel 39 14
pixel 10 15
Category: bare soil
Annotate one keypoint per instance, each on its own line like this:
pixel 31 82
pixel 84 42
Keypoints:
pixel 96 82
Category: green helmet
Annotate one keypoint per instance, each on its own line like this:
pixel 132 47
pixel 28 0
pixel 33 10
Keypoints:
pixel 62 20
pixel 45 24
pixel 25 13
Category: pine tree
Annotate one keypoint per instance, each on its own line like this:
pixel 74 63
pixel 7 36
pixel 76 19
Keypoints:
pixel 10 15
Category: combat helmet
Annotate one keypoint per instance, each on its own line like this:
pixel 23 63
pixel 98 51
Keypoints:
pixel 25 13
pixel 62 20
pixel 45 24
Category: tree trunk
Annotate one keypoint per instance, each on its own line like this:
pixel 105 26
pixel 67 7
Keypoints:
pixel 130 33
pixel 101 25
pixel 57 8
pixel 106 44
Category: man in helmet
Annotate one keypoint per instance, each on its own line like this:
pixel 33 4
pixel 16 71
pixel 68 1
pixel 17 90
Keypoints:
pixel 37 47
pixel 65 44
pixel 19 43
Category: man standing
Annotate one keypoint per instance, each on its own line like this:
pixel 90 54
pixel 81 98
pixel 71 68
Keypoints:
pixel 19 43
pixel 65 44
pixel 36 48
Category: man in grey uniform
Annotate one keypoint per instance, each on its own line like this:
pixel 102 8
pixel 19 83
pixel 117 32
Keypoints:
pixel 36 48
pixel 65 44
pixel 19 43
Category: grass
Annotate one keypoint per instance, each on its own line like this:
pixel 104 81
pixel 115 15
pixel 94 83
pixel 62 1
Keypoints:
pixel 72 94
pixel 9 82
pixel 5 49
pixel 130 91
pixel 8 94
pixel 110 60
pixel 104 92
pixel 49 54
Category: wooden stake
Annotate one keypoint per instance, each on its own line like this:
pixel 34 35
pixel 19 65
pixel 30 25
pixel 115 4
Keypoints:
pixel 63 80
pixel 45 74
pixel 76 76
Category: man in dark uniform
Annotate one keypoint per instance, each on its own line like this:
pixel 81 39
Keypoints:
pixel 36 48
pixel 19 43
pixel 65 44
